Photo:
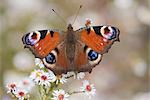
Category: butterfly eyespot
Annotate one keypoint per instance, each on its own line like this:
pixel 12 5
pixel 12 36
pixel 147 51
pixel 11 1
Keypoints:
pixel 108 32
pixel 32 38
pixel 93 57
pixel 50 59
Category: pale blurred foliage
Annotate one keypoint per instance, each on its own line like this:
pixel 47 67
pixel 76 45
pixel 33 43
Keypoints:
pixel 123 73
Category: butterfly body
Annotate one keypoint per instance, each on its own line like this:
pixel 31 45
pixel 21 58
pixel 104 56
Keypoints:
pixel 70 45
pixel 78 51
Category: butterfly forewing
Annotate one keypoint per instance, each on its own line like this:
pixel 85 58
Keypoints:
pixel 99 38
pixel 41 42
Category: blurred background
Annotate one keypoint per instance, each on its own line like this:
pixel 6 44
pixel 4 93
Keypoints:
pixel 124 72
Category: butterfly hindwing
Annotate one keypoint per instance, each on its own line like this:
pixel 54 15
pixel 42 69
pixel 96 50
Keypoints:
pixel 87 58
pixel 57 60
pixel 83 60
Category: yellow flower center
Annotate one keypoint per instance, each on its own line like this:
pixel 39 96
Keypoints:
pixel 38 74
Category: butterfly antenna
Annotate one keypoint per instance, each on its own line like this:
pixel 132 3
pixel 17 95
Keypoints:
pixel 59 16
pixel 77 14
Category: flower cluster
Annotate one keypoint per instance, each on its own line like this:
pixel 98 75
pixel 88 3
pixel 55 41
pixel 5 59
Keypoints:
pixel 49 84
pixel 20 90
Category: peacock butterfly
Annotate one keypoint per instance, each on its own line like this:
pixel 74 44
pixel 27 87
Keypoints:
pixel 78 51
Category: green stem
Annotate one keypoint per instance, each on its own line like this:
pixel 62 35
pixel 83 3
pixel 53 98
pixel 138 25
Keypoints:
pixel 76 92
pixel 39 88
pixel 46 92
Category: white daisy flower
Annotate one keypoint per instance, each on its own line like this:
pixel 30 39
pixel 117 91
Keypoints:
pixel 39 63
pixel 80 75
pixel 61 78
pixel 88 88
pixel 35 75
pixel 45 80
pixel 11 87
pixel 52 76
pixel 60 95
pixel 21 94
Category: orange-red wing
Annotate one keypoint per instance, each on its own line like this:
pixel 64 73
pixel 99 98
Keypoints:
pixel 41 42
pixel 98 41
pixel 44 46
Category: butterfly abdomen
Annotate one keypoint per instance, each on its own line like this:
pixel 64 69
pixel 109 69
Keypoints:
pixel 70 46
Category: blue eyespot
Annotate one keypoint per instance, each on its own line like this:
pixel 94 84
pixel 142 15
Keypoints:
pixel 108 32
pixel 30 41
pixel 51 59
pixel 92 55
pixel 27 41
pixel 31 38
pixel 114 33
